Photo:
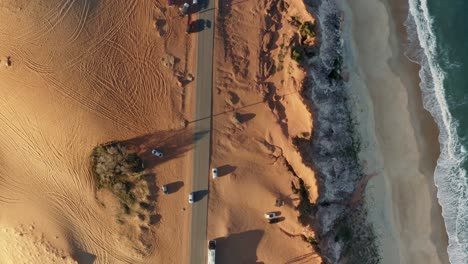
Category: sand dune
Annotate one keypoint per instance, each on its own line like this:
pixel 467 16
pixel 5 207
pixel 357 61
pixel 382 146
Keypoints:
pixel 75 74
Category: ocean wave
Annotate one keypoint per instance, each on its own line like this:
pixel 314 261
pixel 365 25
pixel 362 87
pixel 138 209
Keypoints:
pixel 450 177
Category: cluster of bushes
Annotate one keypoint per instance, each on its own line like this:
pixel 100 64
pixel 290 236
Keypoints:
pixel 296 54
pixel 306 29
pixel 117 170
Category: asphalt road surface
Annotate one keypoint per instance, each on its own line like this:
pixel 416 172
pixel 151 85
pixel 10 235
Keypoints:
pixel 201 162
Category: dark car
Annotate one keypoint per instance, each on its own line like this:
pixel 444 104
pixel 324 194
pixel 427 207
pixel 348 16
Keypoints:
pixel 190 27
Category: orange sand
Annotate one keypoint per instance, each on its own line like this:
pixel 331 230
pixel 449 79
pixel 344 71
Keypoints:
pixel 75 74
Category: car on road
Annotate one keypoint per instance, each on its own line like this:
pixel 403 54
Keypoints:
pixel 190 27
pixel 211 252
pixel 190 198
pixel 164 189
pixel 195 2
pixel 184 9
pixel 270 215
pixel 274 220
pixel 214 173
pixel 157 153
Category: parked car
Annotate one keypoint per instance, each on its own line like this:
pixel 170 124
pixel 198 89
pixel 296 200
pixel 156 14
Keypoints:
pixel 270 215
pixel 157 153
pixel 211 252
pixel 195 2
pixel 190 27
pixel 214 173
pixel 274 220
pixel 190 198
pixel 184 9
pixel 164 189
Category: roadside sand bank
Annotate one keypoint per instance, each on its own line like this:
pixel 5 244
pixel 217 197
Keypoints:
pixel 256 113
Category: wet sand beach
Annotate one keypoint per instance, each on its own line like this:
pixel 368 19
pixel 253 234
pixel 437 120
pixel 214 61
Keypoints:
pixel 402 197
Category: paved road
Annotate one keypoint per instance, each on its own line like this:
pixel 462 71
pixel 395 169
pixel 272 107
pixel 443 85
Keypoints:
pixel 201 162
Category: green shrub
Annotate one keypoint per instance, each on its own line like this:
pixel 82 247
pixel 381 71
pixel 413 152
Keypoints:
pixel 296 54
pixel 307 29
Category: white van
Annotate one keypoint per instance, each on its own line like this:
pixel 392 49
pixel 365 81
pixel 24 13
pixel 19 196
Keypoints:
pixel 211 252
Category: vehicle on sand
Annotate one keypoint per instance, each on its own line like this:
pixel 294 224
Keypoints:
pixel 184 9
pixel 270 215
pixel 190 27
pixel 164 189
pixel 157 153
pixel 211 252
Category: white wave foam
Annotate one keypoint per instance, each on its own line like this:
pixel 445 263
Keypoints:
pixel 449 175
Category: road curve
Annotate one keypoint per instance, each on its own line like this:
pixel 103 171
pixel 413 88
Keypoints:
pixel 202 138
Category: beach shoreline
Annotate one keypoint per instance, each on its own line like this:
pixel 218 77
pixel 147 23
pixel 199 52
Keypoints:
pixel 402 197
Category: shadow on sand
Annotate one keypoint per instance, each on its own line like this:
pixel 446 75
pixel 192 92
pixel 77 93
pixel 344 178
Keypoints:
pixel 239 248
pixel 173 143
pixel 174 187
pixel 198 195
pixel 225 170
pixel 84 257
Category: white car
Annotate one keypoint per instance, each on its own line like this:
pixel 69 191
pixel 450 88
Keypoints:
pixel 164 189
pixel 270 215
pixel 195 2
pixel 211 252
pixel 190 198
pixel 157 153
pixel 184 9
pixel 214 173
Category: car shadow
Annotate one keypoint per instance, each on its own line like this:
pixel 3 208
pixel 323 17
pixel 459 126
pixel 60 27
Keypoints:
pixel 198 195
pixel 172 143
pixel 225 170
pixel 154 219
pixel 174 187
pixel 277 220
pixel 242 118
pixel 239 248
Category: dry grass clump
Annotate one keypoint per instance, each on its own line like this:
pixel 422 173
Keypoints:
pixel 119 171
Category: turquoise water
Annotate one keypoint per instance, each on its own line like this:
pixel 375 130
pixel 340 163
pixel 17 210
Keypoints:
pixel 440 30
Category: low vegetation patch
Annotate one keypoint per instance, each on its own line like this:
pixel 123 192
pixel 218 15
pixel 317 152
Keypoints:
pixel 306 29
pixel 296 54
pixel 119 171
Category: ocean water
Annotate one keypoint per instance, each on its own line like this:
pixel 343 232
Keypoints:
pixel 439 42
